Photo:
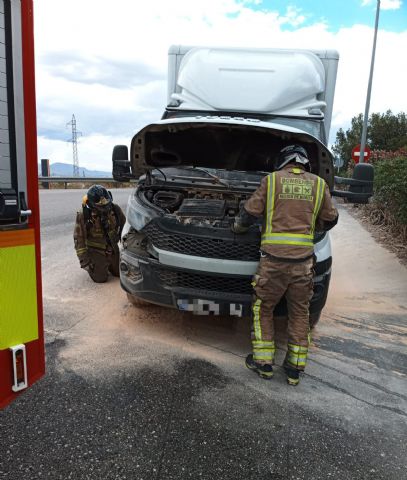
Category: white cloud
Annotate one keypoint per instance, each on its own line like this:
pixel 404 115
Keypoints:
pixel 391 4
pixel 384 4
pixel 108 65
pixel 294 17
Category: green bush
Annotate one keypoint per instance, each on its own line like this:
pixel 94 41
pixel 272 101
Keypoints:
pixel 391 187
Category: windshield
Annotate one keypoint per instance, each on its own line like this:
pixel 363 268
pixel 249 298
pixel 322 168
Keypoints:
pixel 223 177
pixel 312 127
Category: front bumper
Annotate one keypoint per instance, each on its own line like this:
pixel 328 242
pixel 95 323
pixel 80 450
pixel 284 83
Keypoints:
pixel 149 280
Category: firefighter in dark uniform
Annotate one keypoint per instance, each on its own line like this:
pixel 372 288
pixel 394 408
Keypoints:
pixel 294 203
pixel 97 232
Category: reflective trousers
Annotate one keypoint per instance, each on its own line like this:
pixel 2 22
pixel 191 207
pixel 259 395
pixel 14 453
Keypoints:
pixel 273 280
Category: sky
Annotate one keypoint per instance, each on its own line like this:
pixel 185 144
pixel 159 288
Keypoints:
pixel 106 62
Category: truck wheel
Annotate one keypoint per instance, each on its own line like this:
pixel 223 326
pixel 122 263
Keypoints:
pixel 136 301
pixel 314 318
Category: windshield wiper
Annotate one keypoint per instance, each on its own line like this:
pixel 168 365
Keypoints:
pixel 212 175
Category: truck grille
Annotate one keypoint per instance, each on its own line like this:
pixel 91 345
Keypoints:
pixel 180 279
pixel 201 246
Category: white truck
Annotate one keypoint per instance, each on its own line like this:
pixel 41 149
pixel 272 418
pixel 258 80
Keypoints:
pixel 229 113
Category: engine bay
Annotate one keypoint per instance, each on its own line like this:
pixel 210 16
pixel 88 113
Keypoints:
pixel 197 205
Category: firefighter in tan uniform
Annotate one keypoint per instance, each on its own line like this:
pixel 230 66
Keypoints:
pixel 293 203
pixel 97 231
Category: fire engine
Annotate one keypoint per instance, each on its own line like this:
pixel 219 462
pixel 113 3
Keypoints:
pixel 21 323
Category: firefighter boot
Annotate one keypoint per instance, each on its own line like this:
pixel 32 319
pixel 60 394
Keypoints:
pixel 264 371
pixel 293 375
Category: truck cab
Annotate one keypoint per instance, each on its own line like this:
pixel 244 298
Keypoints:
pixel 229 113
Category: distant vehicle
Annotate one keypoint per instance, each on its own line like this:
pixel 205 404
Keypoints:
pixel 229 113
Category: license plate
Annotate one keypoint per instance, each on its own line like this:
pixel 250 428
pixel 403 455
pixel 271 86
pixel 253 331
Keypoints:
pixel 209 307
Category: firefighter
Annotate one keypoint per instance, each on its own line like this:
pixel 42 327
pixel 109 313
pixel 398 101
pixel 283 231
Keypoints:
pixel 293 203
pixel 97 231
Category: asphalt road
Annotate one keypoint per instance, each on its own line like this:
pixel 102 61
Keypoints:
pixel 133 393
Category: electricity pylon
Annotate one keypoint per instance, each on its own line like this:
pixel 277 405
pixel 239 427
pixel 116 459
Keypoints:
pixel 74 141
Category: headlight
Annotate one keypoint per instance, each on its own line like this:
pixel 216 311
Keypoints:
pixel 130 267
pixel 138 215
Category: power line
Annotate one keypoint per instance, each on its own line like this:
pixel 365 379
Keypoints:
pixel 74 141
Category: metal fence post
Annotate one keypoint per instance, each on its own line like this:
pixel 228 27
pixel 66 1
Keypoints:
pixel 45 171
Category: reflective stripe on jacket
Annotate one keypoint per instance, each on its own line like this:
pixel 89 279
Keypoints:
pixel 292 201
pixel 93 235
pixel 280 196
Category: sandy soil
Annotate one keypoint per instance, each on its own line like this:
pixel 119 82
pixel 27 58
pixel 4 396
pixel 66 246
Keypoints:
pixel 383 234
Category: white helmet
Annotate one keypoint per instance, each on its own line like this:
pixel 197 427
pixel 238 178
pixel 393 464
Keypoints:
pixel 292 153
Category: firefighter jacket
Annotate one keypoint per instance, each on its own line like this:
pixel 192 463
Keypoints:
pixel 294 204
pixel 94 231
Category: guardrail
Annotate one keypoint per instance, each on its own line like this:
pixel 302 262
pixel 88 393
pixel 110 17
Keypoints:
pixel 66 180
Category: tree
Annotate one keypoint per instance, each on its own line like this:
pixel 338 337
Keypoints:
pixel 345 141
pixel 385 131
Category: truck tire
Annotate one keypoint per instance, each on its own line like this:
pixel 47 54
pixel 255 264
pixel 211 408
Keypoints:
pixel 314 318
pixel 137 302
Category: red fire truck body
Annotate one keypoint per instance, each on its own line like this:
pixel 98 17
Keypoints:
pixel 21 321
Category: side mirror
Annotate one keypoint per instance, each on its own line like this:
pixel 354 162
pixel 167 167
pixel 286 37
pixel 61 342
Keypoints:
pixel 121 165
pixel 360 185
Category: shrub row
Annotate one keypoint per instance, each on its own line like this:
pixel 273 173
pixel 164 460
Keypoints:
pixel 390 186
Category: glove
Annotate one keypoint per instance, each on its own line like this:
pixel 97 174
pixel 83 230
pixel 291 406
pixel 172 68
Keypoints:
pixel 238 228
pixel 86 264
pixel 242 221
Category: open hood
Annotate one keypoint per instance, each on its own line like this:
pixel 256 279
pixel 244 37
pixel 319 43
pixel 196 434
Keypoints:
pixel 222 143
